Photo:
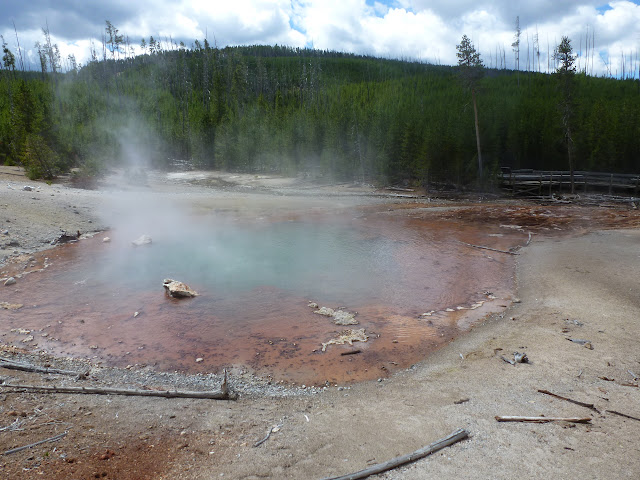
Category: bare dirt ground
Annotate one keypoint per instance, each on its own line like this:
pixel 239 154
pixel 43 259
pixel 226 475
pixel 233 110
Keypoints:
pixel 577 279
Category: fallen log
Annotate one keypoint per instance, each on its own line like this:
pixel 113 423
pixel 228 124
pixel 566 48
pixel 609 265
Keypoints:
pixel 211 395
pixel 12 365
pixel 454 437
pixel 46 440
pixel 543 419
pixel 488 248
pixel 582 404
pixel 223 394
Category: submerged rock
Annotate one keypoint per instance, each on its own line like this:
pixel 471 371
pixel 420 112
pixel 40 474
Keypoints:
pixel 341 317
pixel 344 318
pixel 347 336
pixel 178 289
pixel 326 311
pixel 142 240
pixel 10 281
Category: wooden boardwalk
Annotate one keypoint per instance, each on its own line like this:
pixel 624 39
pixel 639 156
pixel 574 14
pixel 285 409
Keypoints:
pixel 545 182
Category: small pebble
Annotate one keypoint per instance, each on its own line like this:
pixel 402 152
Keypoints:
pixel 199 359
pixel 10 281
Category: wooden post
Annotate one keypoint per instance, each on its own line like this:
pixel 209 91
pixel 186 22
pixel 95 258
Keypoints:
pixel 560 184
pixel 540 189
pixel 550 183
pixel 610 184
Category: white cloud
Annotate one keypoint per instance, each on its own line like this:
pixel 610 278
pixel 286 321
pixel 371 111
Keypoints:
pixel 419 29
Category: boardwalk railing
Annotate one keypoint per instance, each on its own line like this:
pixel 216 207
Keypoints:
pixel 545 182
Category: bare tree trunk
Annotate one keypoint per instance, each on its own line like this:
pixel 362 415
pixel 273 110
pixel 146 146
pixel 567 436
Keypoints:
pixel 475 112
pixel 569 153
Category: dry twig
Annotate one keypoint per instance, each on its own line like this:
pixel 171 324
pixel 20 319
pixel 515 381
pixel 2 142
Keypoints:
pixel 13 365
pixel 512 362
pixel 590 406
pixel 543 419
pixel 273 429
pixel 489 248
pixel 623 415
pixel 51 439
pixel 454 437
pixel 351 352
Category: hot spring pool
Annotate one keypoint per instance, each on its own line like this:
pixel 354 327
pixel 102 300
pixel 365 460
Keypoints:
pixel 255 278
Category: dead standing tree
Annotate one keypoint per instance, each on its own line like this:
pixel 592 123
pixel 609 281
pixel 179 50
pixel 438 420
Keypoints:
pixel 565 75
pixel 470 72
pixel 516 48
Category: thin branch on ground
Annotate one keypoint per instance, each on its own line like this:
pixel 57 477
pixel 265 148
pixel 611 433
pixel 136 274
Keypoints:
pixel 454 437
pixel 582 404
pixel 51 439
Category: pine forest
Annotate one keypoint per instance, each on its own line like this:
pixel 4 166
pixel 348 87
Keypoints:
pixel 273 109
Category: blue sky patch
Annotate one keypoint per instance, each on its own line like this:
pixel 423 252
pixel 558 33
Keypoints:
pixel 603 8
pixel 381 12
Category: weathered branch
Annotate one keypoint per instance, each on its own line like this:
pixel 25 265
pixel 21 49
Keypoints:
pixel 212 395
pixel 623 415
pixel 582 404
pixel 489 248
pixel 454 437
pixel 543 419
pixel 19 449
pixel 12 365
pixel 512 362
pixel 273 429
pixel 351 352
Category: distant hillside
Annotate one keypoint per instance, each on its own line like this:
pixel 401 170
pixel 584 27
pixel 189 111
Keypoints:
pixel 278 109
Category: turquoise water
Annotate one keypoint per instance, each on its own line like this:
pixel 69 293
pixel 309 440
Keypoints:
pixel 303 258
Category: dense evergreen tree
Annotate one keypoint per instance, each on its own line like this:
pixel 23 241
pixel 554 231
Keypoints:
pixel 291 110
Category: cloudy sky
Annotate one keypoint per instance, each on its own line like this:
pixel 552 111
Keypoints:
pixel 425 30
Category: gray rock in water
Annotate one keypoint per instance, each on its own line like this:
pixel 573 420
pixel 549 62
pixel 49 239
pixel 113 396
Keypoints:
pixel 178 289
pixel 10 281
